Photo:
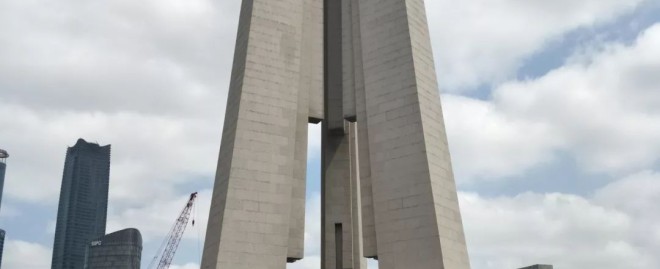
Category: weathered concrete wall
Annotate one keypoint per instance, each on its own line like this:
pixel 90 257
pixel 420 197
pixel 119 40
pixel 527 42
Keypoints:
pixel 249 222
pixel 418 224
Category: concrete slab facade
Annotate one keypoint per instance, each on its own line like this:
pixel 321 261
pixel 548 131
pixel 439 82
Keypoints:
pixel 365 70
pixel 249 222
pixel 417 218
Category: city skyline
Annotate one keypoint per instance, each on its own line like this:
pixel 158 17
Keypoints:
pixel 558 99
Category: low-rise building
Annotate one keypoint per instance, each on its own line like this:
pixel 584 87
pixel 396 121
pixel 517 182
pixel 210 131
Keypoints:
pixel 121 249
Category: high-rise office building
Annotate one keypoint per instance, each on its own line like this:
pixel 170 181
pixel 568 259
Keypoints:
pixel 82 210
pixel 3 168
pixel 2 244
pixel 121 249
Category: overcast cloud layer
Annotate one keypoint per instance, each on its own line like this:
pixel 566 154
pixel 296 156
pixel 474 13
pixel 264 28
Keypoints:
pixel 150 77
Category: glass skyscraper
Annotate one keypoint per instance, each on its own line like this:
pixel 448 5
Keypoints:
pixel 3 167
pixel 82 210
pixel 2 244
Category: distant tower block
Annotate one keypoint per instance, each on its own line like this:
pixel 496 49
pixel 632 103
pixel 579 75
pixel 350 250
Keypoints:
pixel 364 68
pixel 3 168
pixel 83 206
pixel 2 244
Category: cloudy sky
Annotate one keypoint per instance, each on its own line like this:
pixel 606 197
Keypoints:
pixel 552 110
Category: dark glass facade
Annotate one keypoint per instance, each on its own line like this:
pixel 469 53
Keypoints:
pixel 121 249
pixel 3 168
pixel 83 205
pixel 2 244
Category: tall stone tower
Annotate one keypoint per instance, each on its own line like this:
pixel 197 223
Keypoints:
pixel 364 69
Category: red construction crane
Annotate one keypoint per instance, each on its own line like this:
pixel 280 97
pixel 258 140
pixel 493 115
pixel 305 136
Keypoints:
pixel 169 246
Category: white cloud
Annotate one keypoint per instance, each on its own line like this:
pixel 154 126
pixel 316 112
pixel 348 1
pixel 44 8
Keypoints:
pixel 605 106
pixel 149 77
pixel 639 196
pixel 487 143
pixel 313 225
pixel 483 41
pixel 185 266
pixel 601 107
pixel 309 262
pixel 9 211
pixel 154 219
pixel 569 231
pixel 163 57
pixel 149 154
pixel 565 230
pixel 25 255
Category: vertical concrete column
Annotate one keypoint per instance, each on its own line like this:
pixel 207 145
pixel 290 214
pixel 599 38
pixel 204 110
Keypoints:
pixel 356 205
pixel 336 201
pixel 312 61
pixel 348 55
pixel 363 153
pixel 296 244
pixel 249 222
pixel 334 69
pixel 341 238
pixel 340 222
pixel 445 196
pixel 418 224
pixel 310 109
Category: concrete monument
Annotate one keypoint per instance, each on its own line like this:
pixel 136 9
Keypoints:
pixel 364 69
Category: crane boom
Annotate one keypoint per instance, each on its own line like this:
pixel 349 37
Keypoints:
pixel 174 237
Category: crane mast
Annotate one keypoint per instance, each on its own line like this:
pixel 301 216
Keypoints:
pixel 168 249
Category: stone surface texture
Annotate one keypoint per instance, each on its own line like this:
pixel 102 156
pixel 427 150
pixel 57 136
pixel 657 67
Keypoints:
pixel 364 68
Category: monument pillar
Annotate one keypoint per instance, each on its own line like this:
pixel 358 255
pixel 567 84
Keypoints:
pixel 251 219
pixel 364 68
